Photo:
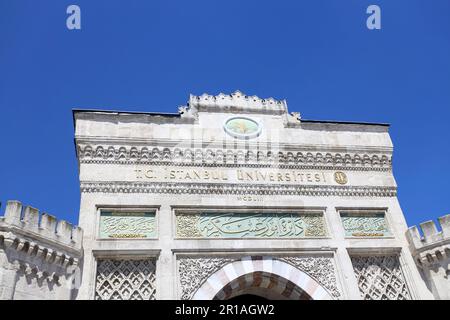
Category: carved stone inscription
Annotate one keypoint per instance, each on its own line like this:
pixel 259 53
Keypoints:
pixel 127 225
pixel 365 225
pixel 249 225
pixel 231 175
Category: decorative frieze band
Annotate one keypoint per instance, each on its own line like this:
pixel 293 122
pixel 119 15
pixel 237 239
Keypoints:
pixel 222 157
pixel 235 189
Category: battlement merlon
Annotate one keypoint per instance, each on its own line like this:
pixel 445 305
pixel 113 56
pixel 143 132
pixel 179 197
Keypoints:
pixel 237 102
pixel 432 238
pixel 50 234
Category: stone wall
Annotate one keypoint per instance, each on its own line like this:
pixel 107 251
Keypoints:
pixel 432 255
pixel 39 255
pixel 316 197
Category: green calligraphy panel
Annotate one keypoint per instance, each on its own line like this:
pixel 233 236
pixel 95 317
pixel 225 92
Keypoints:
pixel 120 225
pixel 365 225
pixel 249 225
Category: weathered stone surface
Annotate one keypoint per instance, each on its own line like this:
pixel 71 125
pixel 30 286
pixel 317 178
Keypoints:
pixel 233 194
pixel 432 255
pixel 247 156
pixel 37 260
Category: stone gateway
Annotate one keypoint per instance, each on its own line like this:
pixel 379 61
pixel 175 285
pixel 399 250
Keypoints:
pixel 231 196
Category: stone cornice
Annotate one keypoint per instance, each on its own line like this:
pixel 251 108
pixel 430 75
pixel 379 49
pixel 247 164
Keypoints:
pixel 55 255
pixel 12 234
pixel 112 154
pixel 234 189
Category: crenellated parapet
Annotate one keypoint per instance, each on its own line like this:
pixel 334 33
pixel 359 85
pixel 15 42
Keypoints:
pixel 36 247
pixel 432 254
pixel 434 245
pixel 237 102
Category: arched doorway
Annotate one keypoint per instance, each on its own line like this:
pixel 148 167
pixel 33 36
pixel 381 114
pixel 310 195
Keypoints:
pixel 247 298
pixel 265 277
pixel 261 285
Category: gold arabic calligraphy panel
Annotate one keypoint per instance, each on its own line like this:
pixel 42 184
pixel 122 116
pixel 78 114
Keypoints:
pixel 249 225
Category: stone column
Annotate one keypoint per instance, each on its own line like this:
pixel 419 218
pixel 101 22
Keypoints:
pixel 343 262
pixel 165 265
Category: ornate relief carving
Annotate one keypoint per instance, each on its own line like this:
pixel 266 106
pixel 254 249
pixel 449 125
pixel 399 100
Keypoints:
pixel 127 225
pixel 380 277
pixel 235 189
pixel 103 154
pixel 237 101
pixel 316 226
pixel 320 269
pixel 296 116
pixel 340 177
pixel 186 226
pixel 250 225
pixel 193 272
pixel 125 279
pixel 365 225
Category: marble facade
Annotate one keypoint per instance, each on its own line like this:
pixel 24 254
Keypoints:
pixel 234 194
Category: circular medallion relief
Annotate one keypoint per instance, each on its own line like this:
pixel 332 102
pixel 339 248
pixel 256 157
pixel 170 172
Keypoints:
pixel 340 177
pixel 242 127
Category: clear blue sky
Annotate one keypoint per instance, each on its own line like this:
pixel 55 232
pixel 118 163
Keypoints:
pixel 149 55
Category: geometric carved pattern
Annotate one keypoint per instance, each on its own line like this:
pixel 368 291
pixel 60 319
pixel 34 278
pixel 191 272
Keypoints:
pixel 125 279
pixel 194 271
pixel 249 225
pixel 234 189
pixel 380 278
